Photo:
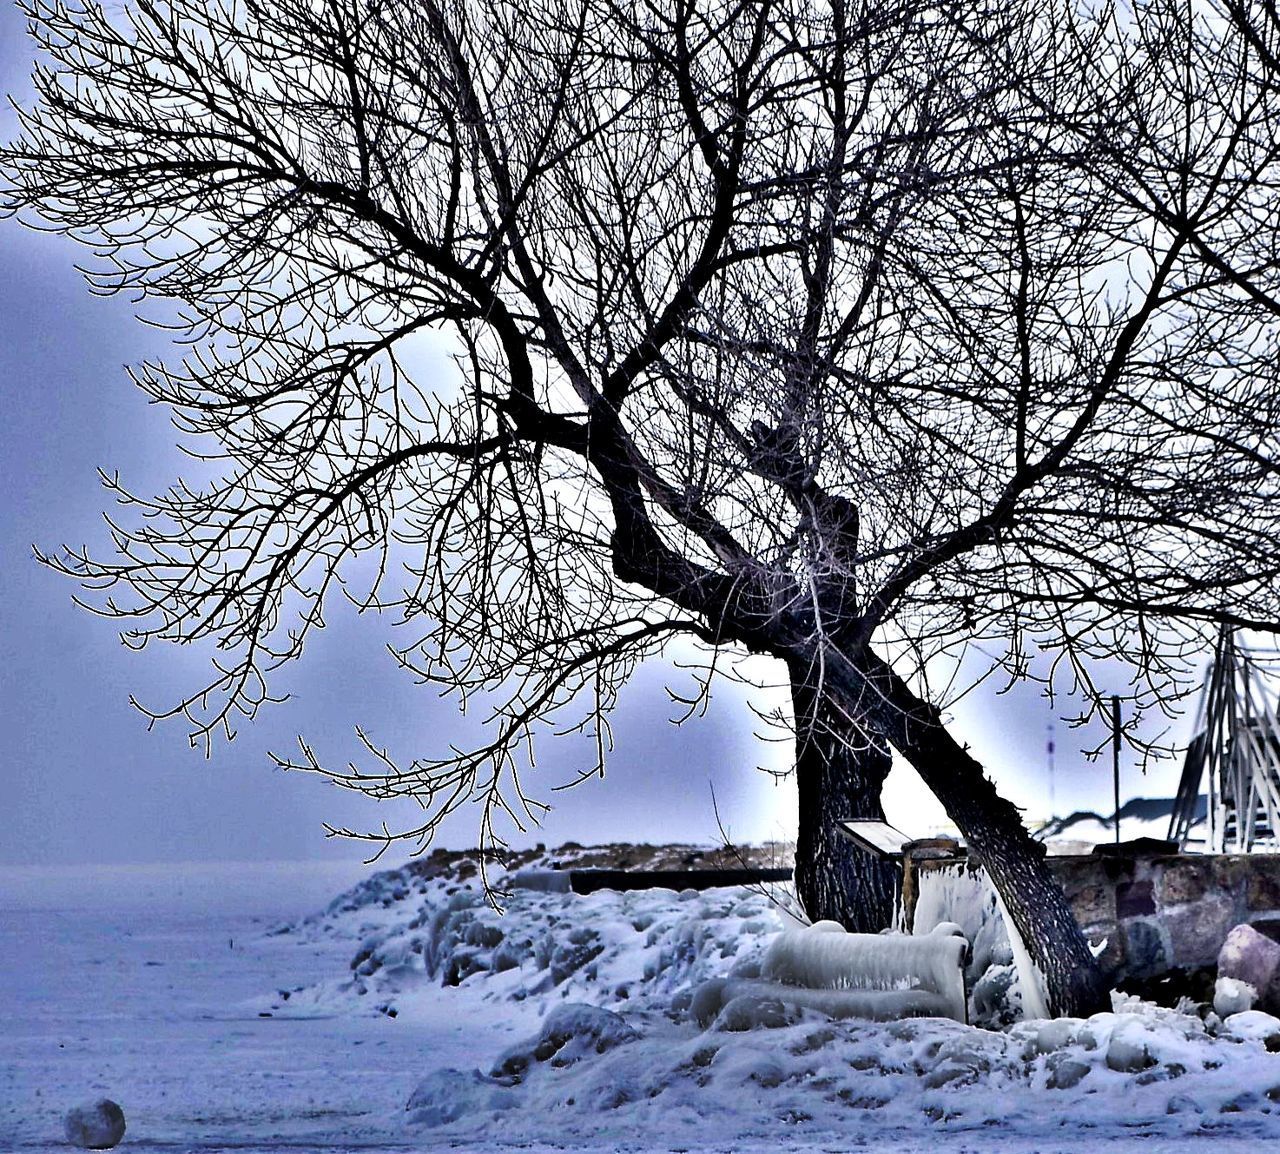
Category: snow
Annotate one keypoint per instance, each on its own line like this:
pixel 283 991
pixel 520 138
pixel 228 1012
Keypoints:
pixel 1232 996
pixel 409 1015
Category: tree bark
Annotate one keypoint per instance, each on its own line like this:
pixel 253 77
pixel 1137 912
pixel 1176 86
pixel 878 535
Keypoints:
pixel 839 774
pixel 991 825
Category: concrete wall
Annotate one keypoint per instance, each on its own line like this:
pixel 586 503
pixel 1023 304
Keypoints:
pixel 1155 913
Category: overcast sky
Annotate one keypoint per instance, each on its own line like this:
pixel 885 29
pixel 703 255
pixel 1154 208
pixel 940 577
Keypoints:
pixel 83 779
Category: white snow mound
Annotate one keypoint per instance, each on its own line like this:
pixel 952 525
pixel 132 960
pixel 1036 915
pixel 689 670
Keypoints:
pixel 628 1030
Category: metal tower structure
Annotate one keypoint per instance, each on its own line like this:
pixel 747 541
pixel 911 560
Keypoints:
pixel 1237 750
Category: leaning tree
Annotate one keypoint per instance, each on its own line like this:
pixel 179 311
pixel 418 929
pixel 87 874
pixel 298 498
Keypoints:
pixel 846 334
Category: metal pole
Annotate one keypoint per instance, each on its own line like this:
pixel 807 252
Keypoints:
pixel 1115 757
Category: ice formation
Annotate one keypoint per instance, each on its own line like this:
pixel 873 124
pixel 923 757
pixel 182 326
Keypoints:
pixel 885 975
pixel 1005 981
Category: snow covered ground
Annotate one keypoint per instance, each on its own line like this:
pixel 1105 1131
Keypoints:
pixel 567 1023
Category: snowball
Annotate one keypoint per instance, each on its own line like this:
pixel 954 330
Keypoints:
pixel 95 1125
pixel 1232 996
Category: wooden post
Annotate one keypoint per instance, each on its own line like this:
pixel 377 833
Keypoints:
pixel 1115 758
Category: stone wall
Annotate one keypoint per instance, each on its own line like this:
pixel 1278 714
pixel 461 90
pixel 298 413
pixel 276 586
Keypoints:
pixel 1155 914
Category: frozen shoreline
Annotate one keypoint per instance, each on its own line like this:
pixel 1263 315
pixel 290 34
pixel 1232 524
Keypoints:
pixel 146 983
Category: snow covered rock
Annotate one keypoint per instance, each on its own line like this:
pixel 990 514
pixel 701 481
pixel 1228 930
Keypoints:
pixel 996 1000
pixel 95 1125
pixel 1249 956
pixel 632 949
pixel 1253 1026
pixel 570 1033
pixel 1129 1050
pixel 1232 996
pixel 773 1063
pixel 756 1012
pixel 446 1096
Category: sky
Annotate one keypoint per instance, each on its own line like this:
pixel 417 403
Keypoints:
pixel 85 781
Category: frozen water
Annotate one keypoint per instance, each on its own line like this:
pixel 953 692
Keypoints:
pixel 897 966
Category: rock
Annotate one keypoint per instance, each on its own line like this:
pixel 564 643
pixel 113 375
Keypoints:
pixel 1055 1034
pixel 570 1033
pixel 1145 949
pixel 1128 1051
pixel 1186 880
pixel 1263 885
pixel 1231 996
pixel 1249 956
pixel 1135 899
pixel 95 1126
pixel 707 1001
pixel 1254 1026
pixel 1197 929
pixel 1066 1073
pixel 948 1073
pixel 755 1012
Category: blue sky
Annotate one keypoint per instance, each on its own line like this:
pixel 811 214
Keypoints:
pixel 85 781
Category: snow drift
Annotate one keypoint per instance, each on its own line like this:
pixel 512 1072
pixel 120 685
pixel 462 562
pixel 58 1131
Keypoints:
pixel 620 1025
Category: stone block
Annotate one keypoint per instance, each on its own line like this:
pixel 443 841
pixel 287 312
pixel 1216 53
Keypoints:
pixel 1146 948
pixel 1095 902
pixel 1183 880
pixel 1111 959
pixel 1120 869
pixel 1073 873
pixel 1262 891
pixel 1249 956
pixel 1231 872
pixel 1198 929
pixel 1135 899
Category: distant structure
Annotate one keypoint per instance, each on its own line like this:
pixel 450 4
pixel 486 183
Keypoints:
pixel 1237 749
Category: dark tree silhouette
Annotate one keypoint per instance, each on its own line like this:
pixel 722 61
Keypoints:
pixel 851 335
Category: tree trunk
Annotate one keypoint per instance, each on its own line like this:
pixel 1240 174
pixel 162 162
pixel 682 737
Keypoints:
pixel 839 774
pixel 991 825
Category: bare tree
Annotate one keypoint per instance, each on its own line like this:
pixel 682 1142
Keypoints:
pixel 848 335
